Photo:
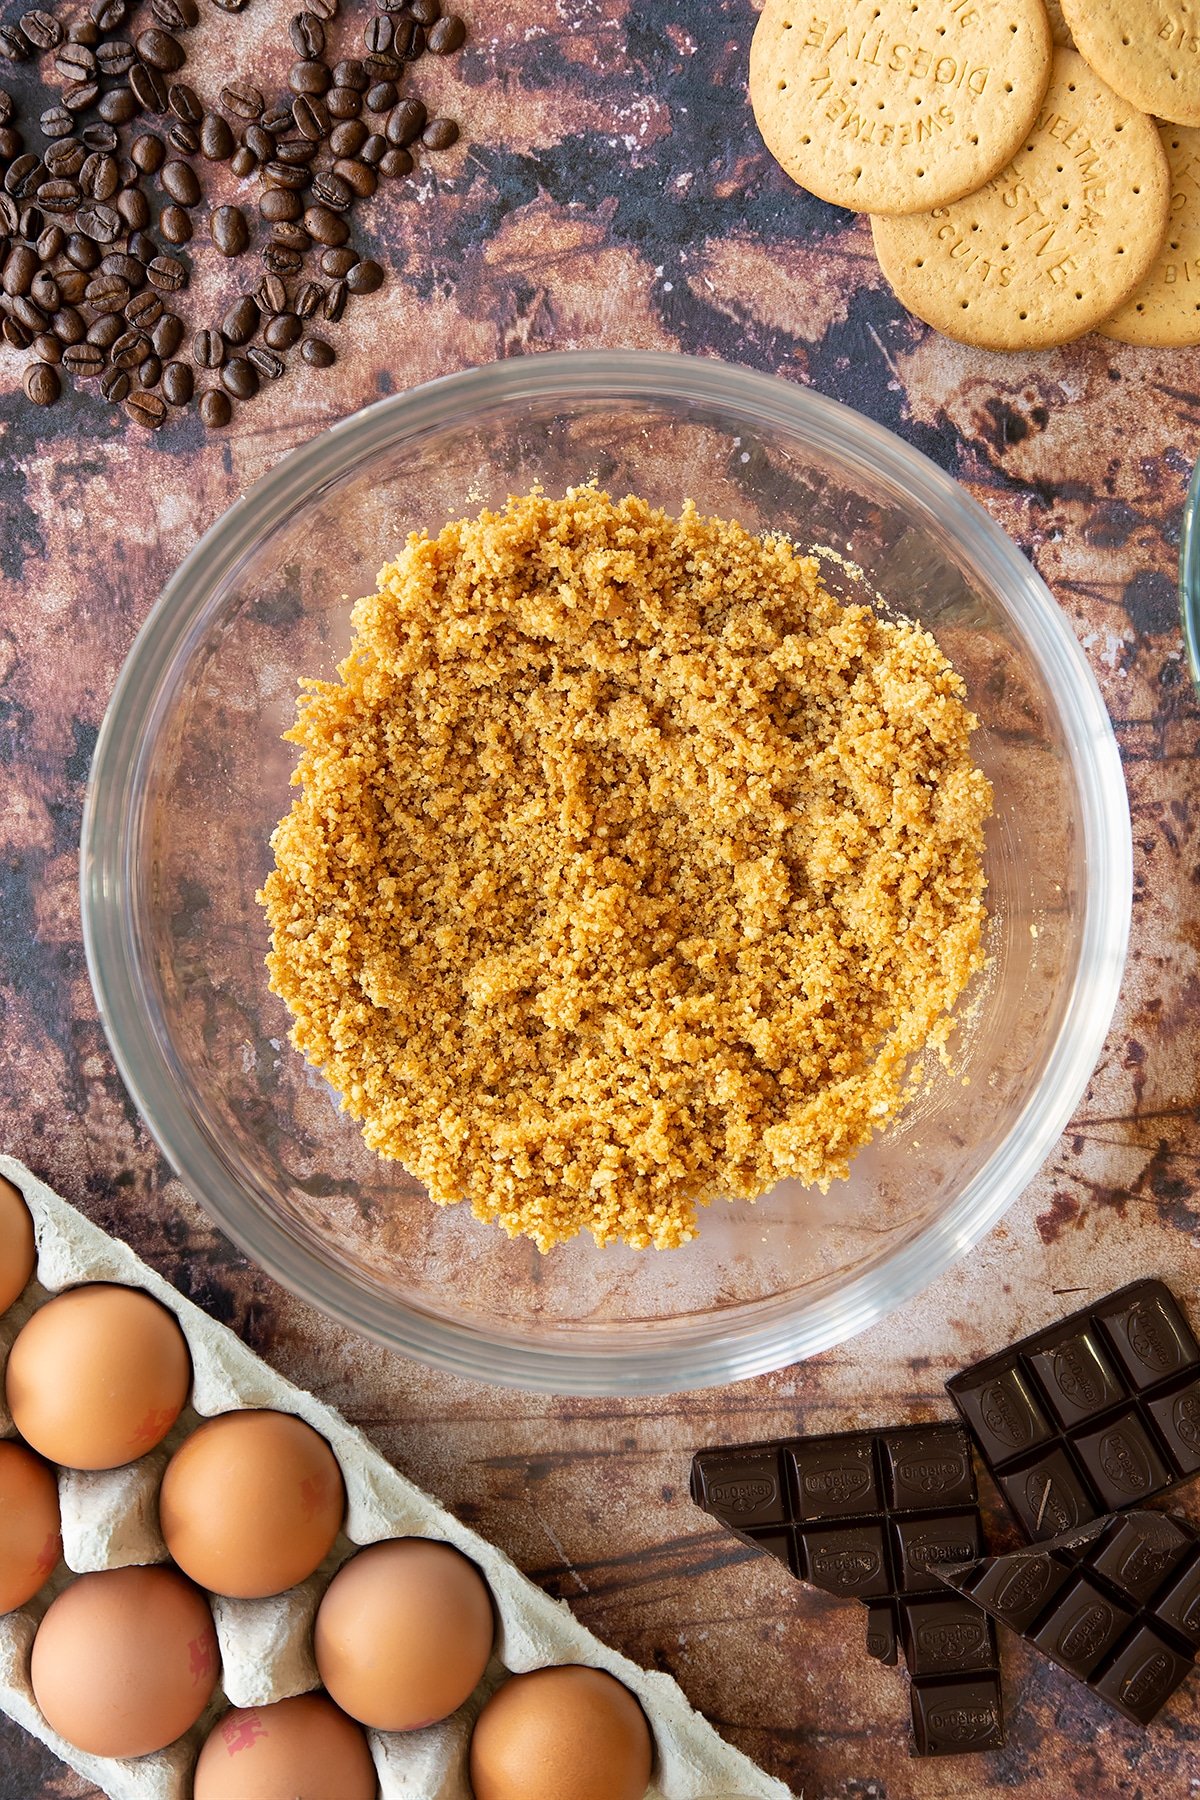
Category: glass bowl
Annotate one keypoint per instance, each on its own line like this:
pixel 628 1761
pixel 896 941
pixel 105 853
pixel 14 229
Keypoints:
pixel 190 776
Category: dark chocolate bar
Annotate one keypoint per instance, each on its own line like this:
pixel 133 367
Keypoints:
pixel 1096 1413
pixel 872 1516
pixel 1116 1604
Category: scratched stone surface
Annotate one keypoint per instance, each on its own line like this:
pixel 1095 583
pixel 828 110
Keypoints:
pixel 610 190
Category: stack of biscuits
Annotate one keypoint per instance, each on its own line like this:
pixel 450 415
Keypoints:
pixel 1032 172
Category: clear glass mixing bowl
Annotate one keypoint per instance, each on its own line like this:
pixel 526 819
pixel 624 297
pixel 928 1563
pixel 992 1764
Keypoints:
pixel 190 776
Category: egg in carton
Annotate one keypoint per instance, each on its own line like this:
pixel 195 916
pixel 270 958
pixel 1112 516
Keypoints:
pixel 110 1520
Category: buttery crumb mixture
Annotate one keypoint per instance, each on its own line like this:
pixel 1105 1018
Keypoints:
pixel 629 869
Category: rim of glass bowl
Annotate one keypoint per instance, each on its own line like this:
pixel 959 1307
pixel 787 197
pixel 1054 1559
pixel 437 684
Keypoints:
pixel 695 1352
pixel 1189 577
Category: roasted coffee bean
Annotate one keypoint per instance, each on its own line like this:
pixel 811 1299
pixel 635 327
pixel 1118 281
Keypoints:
pixel 108 293
pixel 78 96
pixel 308 297
pixel 143 246
pixel 57 122
pixel 240 98
pixel 104 332
pixel 351 73
pixel 334 303
pixel 66 157
pixel 310 116
pixel 379 34
pixel 365 277
pixel 99 222
pixel 184 102
pixel 15 334
pixel 44 291
pixel 446 36
pixel 332 191
pixel 282 331
pixel 409 40
pixel 42 385
pixel 160 50
pixel 290 234
pixel 309 77
pixel 116 57
pixel 175 15
pixel 82 252
pixel 406 124
pixel 75 62
pixel 167 335
pixel 241 321
pixel 31 222
pixel 127 172
pixel 11 143
pixel 277 118
pixel 271 295
pixel 146 409
pixel 149 371
pixel 58 196
pixel 134 208
pixel 307 34
pixel 147 152
pixel 33 317
pixel 98 176
pixel 175 224
pixel 425 12
pixel 114 385
pixel 149 88
pixel 178 383
pixel 384 67
pixel 130 349
pixel 357 177
pixel 47 348
pixel 71 285
pixel 108 15
pixel 167 273
pixel 297 152
pixel 130 268
pixel 343 103
pixel 373 150
pixel 208 349
pixel 215 409
pixel 317 352
pixel 394 163
pixel 20 267
pixel 23 169
pixel 439 134
pixel 183 139
pixel 10 216
pixel 50 243
pixel 281 260
pixel 277 204
pixel 240 378
pixel 230 6
pixel 285 175
pixel 118 107
pixel 268 364
pixel 216 139
pixel 325 10
pixel 6 107
pixel 325 226
pixel 42 29
pixel 14 45
pixel 243 163
pixel 144 311
pixel 260 141
pixel 84 30
pixel 228 230
pixel 178 179
pixel 337 263
pixel 382 97
pixel 84 361
pixel 348 137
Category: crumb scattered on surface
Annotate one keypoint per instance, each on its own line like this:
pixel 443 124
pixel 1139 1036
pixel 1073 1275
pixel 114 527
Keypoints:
pixel 629 870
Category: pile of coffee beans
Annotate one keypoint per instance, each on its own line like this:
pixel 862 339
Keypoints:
pixel 100 197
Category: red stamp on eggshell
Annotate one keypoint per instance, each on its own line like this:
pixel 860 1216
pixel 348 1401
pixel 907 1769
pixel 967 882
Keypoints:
pixel 241 1733
pixel 157 1422
pixel 202 1657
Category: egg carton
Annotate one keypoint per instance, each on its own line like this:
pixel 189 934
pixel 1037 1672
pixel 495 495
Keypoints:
pixel 110 1520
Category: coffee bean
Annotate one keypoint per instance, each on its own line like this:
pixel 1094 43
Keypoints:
pixel 167 335
pixel 406 124
pixel 6 107
pixel 271 295
pixel 307 34
pixel 409 40
pixel 31 315
pixel 80 95
pixel 373 150
pixel 75 62
pixel 310 116
pixel 108 293
pixel 14 45
pixel 14 333
pixel 382 97
pixel 44 292
pixel 146 409
pixel 31 222
pixel 446 36
pixel 184 102
pixel 425 12
pixel 42 385
pixel 297 152
pixel 167 273
pixel 240 378
pixel 149 371
pixel 343 103
pixel 109 15
pixel 290 234
pixel 134 208
pixel 71 285
pixel 229 231
pixel 99 222
pixel 208 349
pixel 57 122
pixel 282 331
pixel 50 244
pixel 129 268
pixel 258 139
pixel 178 179
pixel 396 162
pixel 175 224
pixel 348 137
pixel 118 107
pixel 184 139
pixel 175 15
pixel 230 6
pixel 216 139
pixel 351 73
pixel 47 348
pixel 149 88
pixel 58 196
pixel 334 304
pixel 84 361
pixel 144 311
pixel 277 204
pixel 269 365
pixel 243 163
pixel 365 277
pixel 10 216
pixel 114 385
pixel 177 383
pixel 66 157
pixel 281 260
pixel 309 296
pixel 215 409
pixel 277 118
pixel 20 267
pixel 241 321
pixel 25 169
pixel 11 143
pixel 147 153
pixel 332 191
pixel 439 134
pixel 240 98
pixel 357 177
pixel 143 246
pixel 104 331
pixel 317 352
pixel 42 29
pixel 127 172
pixel 337 263
pixel 309 77
pixel 379 34
pixel 160 50
pixel 286 175
pixel 98 176
pixel 384 67
pixel 130 349
pixel 82 252
pixel 116 57
pixel 325 226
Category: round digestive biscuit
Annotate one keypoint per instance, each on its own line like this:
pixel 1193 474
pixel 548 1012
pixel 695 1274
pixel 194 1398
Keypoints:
pixel 1056 241
pixel 1147 50
pixel 894 106
pixel 1165 310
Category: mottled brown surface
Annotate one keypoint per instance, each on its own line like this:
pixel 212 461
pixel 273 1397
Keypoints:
pixel 614 193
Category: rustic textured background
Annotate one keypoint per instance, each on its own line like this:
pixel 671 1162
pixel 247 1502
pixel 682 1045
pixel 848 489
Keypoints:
pixel 611 190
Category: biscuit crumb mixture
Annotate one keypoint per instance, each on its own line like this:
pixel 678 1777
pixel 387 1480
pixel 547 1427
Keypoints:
pixel 629 869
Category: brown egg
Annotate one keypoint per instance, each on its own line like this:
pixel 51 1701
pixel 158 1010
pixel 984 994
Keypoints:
pixel 404 1633
pixel 98 1376
pixel 30 1538
pixel 561 1734
pixel 295 1747
pixel 125 1661
pixel 18 1253
pixel 251 1503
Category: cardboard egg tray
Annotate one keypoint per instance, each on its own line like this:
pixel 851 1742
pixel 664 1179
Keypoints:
pixel 110 1520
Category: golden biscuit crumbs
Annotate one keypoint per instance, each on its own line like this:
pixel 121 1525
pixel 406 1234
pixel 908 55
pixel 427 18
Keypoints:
pixel 628 870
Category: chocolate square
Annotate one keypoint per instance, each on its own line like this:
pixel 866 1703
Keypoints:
pixel 930 1468
pixel 1076 1376
pixel 833 1477
pixel 926 1544
pixel 1123 1464
pixel 947 1637
pixel 953 1718
pixel 740 1487
pixel 1003 1413
pixel 1139 1554
pixel 1179 1606
pixel 882 1640
pixel 1150 1335
pixel 1177 1416
pixel 1048 1498
pixel 850 1561
pixel 1083 1623
pixel 1143 1675
pixel 1016 1588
